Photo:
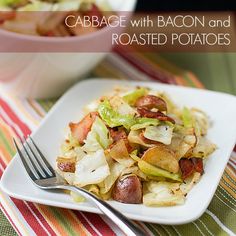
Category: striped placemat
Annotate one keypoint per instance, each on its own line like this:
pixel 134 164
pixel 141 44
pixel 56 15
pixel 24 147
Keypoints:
pixel 19 117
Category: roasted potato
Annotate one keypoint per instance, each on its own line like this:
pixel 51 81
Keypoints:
pixel 150 102
pixel 128 189
pixel 66 164
pixel 162 156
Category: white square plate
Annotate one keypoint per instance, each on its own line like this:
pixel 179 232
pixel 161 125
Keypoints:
pixel 220 107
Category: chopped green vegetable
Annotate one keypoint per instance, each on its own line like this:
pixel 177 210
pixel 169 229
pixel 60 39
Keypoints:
pixel 143 122
pixel 187 118
pixel 113 118
pixel 133 96
pixel 151 170
pixel 160 133
pixel 98 137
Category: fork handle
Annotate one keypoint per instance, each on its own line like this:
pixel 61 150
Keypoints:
pixel 126 225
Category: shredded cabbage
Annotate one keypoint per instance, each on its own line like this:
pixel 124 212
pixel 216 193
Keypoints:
pixel 142 123
pixel 163 194
pixel 115 169
pixel 151 170
pixel 133 96
pixel 160 133
pixel 113 118
pixel 187 118
pixel 98 137
pixel 92 169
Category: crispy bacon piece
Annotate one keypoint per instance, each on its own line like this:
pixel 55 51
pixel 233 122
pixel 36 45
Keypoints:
pixel 198 164
pixel 144 112
pixel 117 134
pixel 150 102
pixel 80 130
pixel 187 167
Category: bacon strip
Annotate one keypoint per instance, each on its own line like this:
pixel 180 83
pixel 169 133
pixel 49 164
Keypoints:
pixel 144 112
pixel 187 167
pixel 80 130
pixel 198 164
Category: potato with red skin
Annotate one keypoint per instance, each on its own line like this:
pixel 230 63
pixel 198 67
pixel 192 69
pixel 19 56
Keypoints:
pixel 66 164
pixel 80 130
pixel 150 102
pixel 128 190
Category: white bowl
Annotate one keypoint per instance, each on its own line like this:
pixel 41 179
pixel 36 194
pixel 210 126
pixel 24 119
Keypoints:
pixel 49 74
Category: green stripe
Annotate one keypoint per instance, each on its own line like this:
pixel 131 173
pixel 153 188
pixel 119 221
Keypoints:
pixel 188 80
pixel 62 221
pixel 212 225
pixel 152 229
pixel 169 229
pixel 6 144
pixel 226 215
pixel 222 192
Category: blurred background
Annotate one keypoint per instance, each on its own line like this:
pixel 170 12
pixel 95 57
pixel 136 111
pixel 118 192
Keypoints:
pixel 216 71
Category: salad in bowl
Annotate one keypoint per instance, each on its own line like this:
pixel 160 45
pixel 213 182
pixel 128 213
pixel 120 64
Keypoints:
pixel 49 18
pixel 136 146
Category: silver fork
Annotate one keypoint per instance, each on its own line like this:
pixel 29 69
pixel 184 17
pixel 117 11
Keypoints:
pixel 44 176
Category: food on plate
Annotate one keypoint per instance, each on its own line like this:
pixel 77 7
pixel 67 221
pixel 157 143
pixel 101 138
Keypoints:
pixel 59 18
pixel 135 145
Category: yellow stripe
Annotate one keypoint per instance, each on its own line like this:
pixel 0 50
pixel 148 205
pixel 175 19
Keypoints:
pixel 23 110
pixel 13 212
pixel 227 189
pixel 51 219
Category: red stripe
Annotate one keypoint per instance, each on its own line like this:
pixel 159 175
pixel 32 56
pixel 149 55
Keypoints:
pixel 29 217
pixel 235 148
pixel 100 224
pixel 2 163
pixel 85 223
pixel 145 68
pixel 41 218
pixel 9 219
pixel 12 115
pixel 21 205
pixel 13 128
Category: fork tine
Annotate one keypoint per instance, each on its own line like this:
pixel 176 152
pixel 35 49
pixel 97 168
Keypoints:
pixel 27 168
pixel 40 168
pixel 31 161
pixel 43 159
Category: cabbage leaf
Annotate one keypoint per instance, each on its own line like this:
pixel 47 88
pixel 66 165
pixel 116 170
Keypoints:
pixel 98 137
pixel 92 169
pixel 131 98
pixel 160 133
pixel 113 118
